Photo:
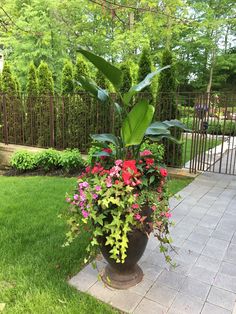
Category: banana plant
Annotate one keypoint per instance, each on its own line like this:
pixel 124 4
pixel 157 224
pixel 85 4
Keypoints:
pixel 136 125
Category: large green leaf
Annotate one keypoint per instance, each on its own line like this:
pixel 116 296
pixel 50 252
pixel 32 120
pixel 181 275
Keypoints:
pixel 91 87
pixel 175 123
pixel 140 86
pixel 136 123
pixel 157 128
pixel 112 73
pixel 159 137
pixel 106 137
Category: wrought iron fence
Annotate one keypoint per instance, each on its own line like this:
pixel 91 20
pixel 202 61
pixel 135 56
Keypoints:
pixel 67 121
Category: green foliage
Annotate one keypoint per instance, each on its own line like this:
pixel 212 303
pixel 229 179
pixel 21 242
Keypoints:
pixel 71 160
pixel 8 83
pixel 45 80
pixel 126 78
pixel 156 149
pixel 23 161
pixel 167 108
pixel 32 81
pixel 100 80
pixel 48 160
pixel 145 66
pixel 67 81
pixel 81 69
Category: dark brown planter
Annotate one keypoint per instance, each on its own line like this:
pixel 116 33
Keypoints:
pixel 127 274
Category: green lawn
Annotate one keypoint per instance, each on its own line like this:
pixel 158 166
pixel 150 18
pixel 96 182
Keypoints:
pixel 34 268
pixel 187 147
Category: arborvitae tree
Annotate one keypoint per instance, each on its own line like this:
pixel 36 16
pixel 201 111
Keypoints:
pixel 81 68
pixel 166 108
pixel 46 91
pixel 32 112
pixel 100 80
pixel 13 106
pixel 126 78
pixel 45 80
pixel 65 106
pixel 67 80
pixel 145 67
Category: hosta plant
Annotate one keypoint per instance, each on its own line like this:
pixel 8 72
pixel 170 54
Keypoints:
pixel 126 189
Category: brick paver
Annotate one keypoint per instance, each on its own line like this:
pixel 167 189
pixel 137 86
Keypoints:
pixel 204 237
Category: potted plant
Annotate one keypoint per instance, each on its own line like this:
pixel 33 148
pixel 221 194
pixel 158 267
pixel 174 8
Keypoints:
pixel 123 197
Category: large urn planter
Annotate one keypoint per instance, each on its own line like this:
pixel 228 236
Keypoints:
pixel 127 274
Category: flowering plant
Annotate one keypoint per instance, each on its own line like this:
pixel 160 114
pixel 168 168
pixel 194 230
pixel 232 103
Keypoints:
pixel 127 188
pixel 112 199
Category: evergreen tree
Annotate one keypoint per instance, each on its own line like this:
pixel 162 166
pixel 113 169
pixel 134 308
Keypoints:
pixel 13 106
pixel 32 112
pixel 81 68
pixel 101 80
pixel 64 107
pixel 67 81
pixel 126 78
pixel 46 90
pixel 166 108
pixel 45 80
pixel 145 67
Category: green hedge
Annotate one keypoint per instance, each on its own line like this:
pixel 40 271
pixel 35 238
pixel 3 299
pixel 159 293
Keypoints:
pixel 227 127
pixel 68 161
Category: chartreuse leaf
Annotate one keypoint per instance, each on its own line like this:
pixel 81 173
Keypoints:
pixel 136 123
pixel 112 73
pixel 140 86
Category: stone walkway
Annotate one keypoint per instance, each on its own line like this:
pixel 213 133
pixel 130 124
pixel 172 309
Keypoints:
pixel 204 238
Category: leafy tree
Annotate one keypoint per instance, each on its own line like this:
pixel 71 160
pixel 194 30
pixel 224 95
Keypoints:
pixel 45 80
pixel 81 68
pixel 166 108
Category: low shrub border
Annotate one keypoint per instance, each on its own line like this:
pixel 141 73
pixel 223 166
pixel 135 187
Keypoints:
pixel 50 160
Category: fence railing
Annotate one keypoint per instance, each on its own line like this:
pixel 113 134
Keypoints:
pixel 67 121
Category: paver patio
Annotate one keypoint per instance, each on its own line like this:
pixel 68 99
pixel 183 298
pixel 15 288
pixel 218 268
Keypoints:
pixel 204 239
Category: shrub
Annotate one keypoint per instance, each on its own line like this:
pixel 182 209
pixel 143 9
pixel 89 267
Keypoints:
pixel 214 128
pixel 229 127
pixel 48 160
pixel 71 160
pixel 157 150
pixel 188 122
pixel 23 161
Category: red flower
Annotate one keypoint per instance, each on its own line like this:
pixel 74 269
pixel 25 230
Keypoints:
pixel 149 161
pixel 117 182
pixel 97 168
pixel 126 175
pixel 163 172
pixel 88 169
pixel 107 150
pixel 130 164
pixel 146 152
pixel 135 206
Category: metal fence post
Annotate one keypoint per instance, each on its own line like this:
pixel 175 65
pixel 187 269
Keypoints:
pixel 5 129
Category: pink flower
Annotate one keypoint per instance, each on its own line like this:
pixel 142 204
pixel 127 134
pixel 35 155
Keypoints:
pixel 95 196
pixel 154 207
pixel 87 169
pixel 68 200
pixel 163 172
pixel 159 189
pixel 85 213
pixel 108 182
pixel 135 206
pixel 76 197
pixel 146 152
pixel 168 215
pixel 85 184
pixel 149 161
pixel 98 188
pixel 137 216
pixel 118 162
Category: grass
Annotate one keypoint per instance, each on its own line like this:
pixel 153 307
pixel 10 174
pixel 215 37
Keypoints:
pixel 187 146
pixel 34 268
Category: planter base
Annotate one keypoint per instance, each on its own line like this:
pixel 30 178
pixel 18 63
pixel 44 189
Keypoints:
pixel 124 279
